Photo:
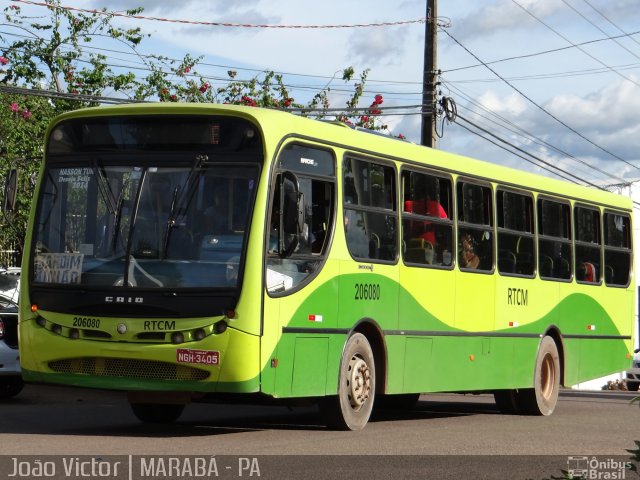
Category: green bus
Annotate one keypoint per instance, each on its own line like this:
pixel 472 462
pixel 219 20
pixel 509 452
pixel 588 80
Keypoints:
pixel 221 253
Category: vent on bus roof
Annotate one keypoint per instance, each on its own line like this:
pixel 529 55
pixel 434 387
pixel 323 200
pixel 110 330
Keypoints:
pixel 127 368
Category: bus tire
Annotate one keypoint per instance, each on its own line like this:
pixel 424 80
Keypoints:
pixel 157 412
pixel 632 386
pixel 543 397
pixel 10 386
pixel 506 401
pixel 351 408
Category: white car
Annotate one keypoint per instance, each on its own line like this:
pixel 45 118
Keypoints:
pixel 10 377
pixel 633 374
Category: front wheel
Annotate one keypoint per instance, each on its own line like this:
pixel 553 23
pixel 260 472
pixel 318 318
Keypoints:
pixel 10 386
pixel 351 408
pixel 632 386
pixel 543 397
pixel 157 412
pixel 506 401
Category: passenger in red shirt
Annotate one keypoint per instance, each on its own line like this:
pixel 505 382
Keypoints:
pixel 429 207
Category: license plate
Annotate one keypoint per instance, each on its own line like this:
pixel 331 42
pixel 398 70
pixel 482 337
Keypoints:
pixel 202 357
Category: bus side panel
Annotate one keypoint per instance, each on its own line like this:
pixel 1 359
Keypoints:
pixel 592 319
pixel 305 323
pixel 425 305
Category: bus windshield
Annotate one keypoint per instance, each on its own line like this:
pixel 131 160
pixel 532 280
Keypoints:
pixel 163 225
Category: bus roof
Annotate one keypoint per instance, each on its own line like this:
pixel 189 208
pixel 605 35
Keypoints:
pixel 278 124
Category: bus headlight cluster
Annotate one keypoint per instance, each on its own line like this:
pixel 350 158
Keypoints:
pixel 177 337
pixel 199 334
pixel 220 327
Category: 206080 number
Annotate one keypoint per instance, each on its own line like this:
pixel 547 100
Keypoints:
pixel 367 291
pixel 85 322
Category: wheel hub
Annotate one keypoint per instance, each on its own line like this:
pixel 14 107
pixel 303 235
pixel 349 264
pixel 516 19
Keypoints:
pixel 547 380
pixel 359 382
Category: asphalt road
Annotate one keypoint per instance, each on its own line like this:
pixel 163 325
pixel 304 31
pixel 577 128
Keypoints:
pixel 461 435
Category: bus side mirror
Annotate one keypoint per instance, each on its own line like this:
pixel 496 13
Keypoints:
pixel 10 191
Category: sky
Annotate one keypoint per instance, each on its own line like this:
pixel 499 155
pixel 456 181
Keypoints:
pixel 575 107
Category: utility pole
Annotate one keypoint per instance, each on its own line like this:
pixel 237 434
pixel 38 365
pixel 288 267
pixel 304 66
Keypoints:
pixel 429 86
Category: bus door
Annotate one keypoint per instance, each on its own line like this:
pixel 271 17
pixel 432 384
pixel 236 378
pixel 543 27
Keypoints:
pixel 300 311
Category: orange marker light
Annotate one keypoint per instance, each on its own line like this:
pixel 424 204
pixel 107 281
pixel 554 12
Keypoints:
pixel 34 307
pixel 472 357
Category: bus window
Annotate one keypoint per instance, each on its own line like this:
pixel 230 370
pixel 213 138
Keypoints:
pixel 298 240
pixel 554 241
pixel 588 245
pixel 475 224
pixel 516 246
pixel 427 229
pixel 617 249
pixel 369 210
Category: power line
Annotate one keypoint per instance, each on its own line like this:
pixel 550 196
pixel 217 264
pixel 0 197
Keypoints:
pixel 100 99
pixel 546 76
pixel 598 28
pixel 226 67
pixel 534 140
pixel 222 24
pixel 65 96
pixel 540 107
pixel 142 66
pixel 579 48
pixel 513 128
pixel 544 52
pixel 609 20
pixel 548 164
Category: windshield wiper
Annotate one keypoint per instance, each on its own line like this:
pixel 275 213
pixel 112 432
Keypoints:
pixel 180 203
pixel 104 187
pixel 116 224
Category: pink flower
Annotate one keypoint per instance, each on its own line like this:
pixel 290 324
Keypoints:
pixel 26 114
pixel 187 69
pixel 14 107
pixel 378 99
pixel 4 60
pixel 204 88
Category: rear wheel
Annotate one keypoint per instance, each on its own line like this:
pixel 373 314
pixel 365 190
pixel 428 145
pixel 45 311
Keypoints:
pixel 543 397
pixel 351 408
pixel 632 386
pixel 157 412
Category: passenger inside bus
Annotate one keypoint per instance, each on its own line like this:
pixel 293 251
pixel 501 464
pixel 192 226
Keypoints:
pixel 468 256
pixel 424 203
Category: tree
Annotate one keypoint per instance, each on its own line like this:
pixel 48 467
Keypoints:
pixel 51 58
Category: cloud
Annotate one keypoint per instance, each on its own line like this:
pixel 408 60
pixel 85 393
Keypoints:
pixel 504 15
pixel 377 46
pixel 217 6
pixel 609 117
